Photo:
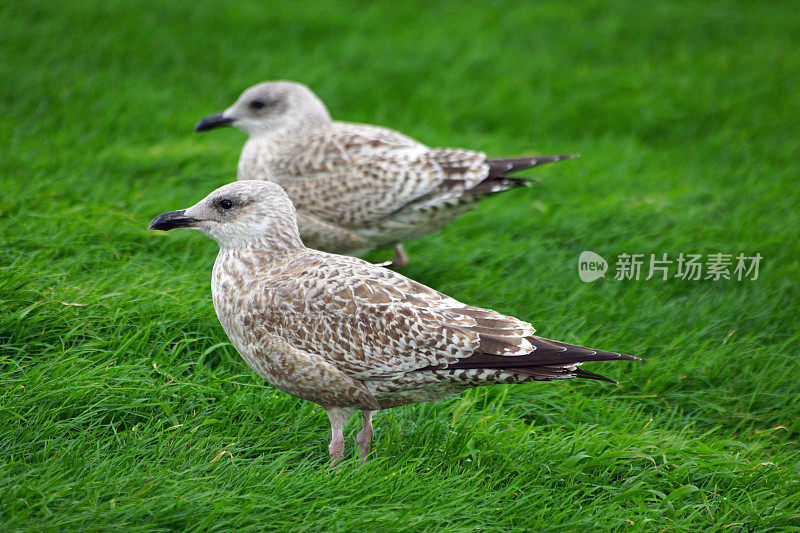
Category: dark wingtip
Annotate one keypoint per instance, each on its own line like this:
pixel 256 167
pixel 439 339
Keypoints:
pixel 585 374
pixel 589 354
pixel 501 167
pixel 552 158
pixel 614 356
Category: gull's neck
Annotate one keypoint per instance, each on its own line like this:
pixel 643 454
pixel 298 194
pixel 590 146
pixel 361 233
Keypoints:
pixel 268 248
pixel 251 261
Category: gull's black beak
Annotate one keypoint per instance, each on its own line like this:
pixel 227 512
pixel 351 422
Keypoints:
pixel 172 220
pixel 214 121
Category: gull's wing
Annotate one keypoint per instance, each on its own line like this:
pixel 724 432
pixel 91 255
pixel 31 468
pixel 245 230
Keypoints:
pixel 355 175
pixel 373 323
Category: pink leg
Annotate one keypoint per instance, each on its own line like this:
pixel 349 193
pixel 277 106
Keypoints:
pixel 400 257
pixel 365 435
pixel 336 447
pixel 338 417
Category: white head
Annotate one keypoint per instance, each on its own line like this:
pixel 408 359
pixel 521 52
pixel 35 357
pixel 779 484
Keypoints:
pixel 269 107
pixel 239 214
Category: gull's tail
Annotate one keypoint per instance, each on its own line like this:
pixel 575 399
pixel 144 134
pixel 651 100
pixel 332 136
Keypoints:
pixel 498 179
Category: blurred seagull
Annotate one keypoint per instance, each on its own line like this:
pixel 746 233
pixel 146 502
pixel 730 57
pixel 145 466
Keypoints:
pixel 358 187
pixel 347 334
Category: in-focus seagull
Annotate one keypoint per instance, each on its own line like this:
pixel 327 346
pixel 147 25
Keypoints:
pixel 358 187
pixel 347 334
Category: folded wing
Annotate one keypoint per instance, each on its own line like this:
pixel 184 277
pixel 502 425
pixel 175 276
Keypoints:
pixel 373 323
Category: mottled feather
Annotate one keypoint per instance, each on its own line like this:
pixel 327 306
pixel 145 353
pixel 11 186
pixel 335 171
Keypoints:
pixel 359 187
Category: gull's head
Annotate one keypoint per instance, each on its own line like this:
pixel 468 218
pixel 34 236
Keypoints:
pixel 238 214
pixel 268 107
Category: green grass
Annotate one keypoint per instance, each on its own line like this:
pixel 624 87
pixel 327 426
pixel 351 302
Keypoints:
pixel 123 406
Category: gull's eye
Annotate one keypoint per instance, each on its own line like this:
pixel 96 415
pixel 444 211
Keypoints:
pixel 225 203
pixel 258 104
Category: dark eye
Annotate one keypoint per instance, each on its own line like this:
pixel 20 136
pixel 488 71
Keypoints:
pixel 225 203
pixel 258 104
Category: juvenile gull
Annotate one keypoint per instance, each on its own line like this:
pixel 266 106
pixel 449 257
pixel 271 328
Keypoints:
pixel 347 334
pixel 358 187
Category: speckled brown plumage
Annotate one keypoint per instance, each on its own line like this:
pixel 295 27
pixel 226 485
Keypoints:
pixel 357 187
pixel 349 335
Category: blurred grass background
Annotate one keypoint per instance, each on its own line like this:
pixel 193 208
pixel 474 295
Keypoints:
pixel 122 405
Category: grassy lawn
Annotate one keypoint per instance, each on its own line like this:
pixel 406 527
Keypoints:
pixel 123 406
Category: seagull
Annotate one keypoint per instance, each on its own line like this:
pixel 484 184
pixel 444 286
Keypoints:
pixel 358 187
pixel 347 334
